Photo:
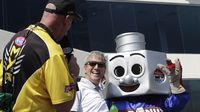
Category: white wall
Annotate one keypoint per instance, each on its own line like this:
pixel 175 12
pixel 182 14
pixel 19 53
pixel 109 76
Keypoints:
pixel 5 36
pixel 190 62
pixel 81 59
pixel 181 2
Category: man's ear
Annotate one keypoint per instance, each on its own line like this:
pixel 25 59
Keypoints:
pixel 66 20
pixel 67 17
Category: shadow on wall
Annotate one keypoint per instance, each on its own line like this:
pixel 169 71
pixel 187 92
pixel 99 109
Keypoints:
pixel 194 90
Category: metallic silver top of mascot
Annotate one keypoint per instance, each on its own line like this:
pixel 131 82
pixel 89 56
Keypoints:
pixel 130 41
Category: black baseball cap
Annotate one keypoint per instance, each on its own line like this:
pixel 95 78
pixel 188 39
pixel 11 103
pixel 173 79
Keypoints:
pixel 62 7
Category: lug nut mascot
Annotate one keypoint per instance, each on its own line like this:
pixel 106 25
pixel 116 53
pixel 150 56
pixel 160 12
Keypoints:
pixel 140 80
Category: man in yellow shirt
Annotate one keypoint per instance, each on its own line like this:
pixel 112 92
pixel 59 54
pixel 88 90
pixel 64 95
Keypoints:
pixel 35 69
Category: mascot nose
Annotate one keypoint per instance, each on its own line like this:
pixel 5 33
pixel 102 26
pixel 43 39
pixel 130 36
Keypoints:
pixel 129 79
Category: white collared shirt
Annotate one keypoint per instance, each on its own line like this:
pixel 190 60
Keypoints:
pixel 88 98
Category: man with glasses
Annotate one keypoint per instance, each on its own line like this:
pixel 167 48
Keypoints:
pixel 35 69
pixel 89 98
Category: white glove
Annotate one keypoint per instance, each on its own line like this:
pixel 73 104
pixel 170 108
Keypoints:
pixel 174 73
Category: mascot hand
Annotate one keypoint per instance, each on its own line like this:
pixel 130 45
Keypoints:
pixel 174 73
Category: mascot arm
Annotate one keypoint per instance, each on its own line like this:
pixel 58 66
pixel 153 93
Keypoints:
pixel 179 97
pixel 174 73
pixel 176 102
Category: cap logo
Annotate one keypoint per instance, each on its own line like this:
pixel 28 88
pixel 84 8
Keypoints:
pixel 51 6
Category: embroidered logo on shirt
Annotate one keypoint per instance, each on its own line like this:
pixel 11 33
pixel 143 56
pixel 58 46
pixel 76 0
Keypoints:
pixel 20 41
pixel 69 87
pixel 13 58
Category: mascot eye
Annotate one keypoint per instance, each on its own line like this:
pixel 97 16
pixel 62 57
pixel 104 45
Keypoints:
pixel 119 71
pixel 136 69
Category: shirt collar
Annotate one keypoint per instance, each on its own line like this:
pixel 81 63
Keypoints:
pixel 86 81
pixel 47 30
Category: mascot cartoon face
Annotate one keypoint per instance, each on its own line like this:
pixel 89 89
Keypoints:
pixel 133 72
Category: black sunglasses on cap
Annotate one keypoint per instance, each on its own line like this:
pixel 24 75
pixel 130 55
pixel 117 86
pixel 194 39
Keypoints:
pixel 94 63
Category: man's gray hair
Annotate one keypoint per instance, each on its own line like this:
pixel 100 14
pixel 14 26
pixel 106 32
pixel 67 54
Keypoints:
pixel 99 53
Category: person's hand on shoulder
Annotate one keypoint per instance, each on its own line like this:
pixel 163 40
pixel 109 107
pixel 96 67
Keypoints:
pixel 74 67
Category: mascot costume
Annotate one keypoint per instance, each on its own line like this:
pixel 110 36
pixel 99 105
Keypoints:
pixel 139 80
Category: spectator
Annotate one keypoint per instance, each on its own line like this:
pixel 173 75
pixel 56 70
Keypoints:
pixel 89 97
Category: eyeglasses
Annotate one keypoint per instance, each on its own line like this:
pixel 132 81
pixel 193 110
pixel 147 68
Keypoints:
pixel 94 63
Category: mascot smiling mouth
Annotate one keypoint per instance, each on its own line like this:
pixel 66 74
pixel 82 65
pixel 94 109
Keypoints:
pixel 129 88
